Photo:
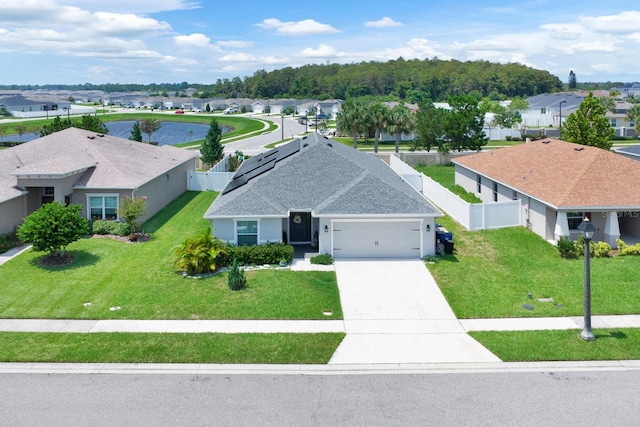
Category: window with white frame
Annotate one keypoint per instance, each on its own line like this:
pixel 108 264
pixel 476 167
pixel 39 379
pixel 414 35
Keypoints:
pixel 614 122
pixel 574 219
pixel 247 233
pixel 103 207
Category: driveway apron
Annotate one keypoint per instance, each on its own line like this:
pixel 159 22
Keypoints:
pixel 394 312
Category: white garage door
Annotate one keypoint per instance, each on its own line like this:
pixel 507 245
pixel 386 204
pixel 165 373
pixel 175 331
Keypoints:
pixel 376 239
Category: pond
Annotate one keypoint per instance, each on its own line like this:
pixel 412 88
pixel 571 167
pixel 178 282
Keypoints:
pixel 169 133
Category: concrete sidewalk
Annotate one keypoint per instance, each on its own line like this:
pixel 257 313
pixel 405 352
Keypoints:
pixel 378 327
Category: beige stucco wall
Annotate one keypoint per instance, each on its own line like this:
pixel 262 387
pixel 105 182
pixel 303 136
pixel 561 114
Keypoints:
pixel 11 213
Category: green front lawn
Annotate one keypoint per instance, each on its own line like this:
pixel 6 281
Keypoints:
pixel 167 348
pixel 445 175
pixel 535 346
pixel 140 279
pixel 492 271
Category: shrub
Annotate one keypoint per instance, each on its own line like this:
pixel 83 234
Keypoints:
pixel 236 278
pixel 53 227
pixel 600 249
pixel 132 209
pixel 624 249
pixel 322 259
pixel 508 137
pixel 8 241
pixel 199 254
pixel 567 248
pixel 269 253
pixel 110 227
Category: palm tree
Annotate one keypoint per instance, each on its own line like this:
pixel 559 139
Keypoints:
pixel 400 121
pixel 352 118
pixel 633 114
pixel 379 114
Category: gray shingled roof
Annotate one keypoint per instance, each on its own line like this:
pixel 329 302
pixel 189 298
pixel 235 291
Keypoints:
pixel 327 178
pixel 108 162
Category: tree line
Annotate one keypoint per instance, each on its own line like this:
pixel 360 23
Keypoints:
pixel 413 81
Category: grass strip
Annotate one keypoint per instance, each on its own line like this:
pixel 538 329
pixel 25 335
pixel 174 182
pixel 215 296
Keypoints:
pixel 279 348
pixel 445 176
pixel 565 345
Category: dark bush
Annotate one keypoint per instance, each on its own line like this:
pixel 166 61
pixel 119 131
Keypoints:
pixel 269 253
pixel 322 259
pixel 567 248
pixel 110 227
pixel 8 241
pixel 236 280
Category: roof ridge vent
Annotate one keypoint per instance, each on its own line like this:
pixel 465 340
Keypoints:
pixel 578 148
pixel 546 141
pixel 91 137
pixel 329 144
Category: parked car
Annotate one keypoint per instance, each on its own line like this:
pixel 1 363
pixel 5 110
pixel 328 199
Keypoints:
pixel 179 111
pixel 322 117
pixel 197 110
pixel 230 110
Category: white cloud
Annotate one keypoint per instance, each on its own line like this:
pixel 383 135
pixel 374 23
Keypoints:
pixel 624 22
pixel 125 25
pixel 236 44
pixel 592 46
pixel 195 39
pixel 383 23
pixel 238 57
pixel 301 28
pixel 128 6
pixel 323 51
pixel 414 48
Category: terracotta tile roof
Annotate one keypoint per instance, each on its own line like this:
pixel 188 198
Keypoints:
pixel 562 174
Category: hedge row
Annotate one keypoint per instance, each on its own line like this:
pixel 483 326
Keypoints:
pixel 269 253
pixel 109 227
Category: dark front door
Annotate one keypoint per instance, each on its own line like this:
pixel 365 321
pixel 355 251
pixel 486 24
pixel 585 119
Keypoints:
pixel 299 227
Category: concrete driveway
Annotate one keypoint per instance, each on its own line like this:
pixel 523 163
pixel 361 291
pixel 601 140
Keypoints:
pixel 395 313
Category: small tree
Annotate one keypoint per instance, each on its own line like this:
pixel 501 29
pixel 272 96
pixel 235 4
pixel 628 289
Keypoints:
pixel 589 125
pixel 149 126
pixel 21 128
pixel 53 227
pixel 199 254
pixel 136 133
pixel 236 279
pixel 211 150
pixel 131 210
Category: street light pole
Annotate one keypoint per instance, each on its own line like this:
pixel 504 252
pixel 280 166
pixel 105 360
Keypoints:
pixel 587 230
pixel 564 101
pixel 282 125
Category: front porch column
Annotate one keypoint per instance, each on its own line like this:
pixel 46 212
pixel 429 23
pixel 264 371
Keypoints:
pixel 562 226
pixel 612 229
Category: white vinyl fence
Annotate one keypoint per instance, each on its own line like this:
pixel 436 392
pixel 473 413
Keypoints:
pixel 473 216
pixel 215 179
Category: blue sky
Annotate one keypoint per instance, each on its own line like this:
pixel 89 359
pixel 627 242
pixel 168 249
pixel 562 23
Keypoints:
pixel 198 41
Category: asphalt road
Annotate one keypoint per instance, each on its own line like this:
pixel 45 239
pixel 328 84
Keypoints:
pixel 590 398
pixel 254 144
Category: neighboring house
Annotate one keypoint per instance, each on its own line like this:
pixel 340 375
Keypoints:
pixel 619 121
pixel 318 191
pixel 628 89
pixel 20 106
pixel 632 152
pixel 93 170
pixel 544 109
pixel 258 107
pixel 559 184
